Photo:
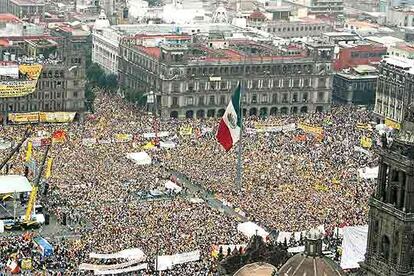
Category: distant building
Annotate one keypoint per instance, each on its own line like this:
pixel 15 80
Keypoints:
pixel 340 37
pixel 197 79
pixel 351 55
pixel 61 84
pixel 356 85
pixel 404 50
pixel 394 88
pixel 25 8
pixel 400 16
pixel 390 245
pixel 304 27
pixel 319 7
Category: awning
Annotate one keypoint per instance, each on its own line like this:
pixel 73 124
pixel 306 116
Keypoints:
pixel 14 183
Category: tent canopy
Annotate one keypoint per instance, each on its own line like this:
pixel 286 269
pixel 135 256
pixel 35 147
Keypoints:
pixel 140 158
pixel 354 246
pixel 14 183
pixel 172 186
pixel 249 229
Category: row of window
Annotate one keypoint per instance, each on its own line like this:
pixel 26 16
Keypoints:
pixel 21 107
pixel 264 98
pixel 368 54
pixel 297 29
pixel 263 111
pixel 251 69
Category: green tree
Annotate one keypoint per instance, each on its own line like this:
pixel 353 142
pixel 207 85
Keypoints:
pixel 94 73
pixel 111 82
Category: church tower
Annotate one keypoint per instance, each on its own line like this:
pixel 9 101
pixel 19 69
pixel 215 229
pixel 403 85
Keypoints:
pixel 390 248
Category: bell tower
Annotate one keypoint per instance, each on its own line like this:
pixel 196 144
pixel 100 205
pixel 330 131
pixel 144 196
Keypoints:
pixel 390 249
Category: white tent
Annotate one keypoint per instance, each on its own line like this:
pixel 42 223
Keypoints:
pixel 354 246
pixel 14 183
pixel 140 158
pixel 129 254
pixel 250 228
pixel 172 186
pixel 368 173
pixel 167 144
pixel 5 144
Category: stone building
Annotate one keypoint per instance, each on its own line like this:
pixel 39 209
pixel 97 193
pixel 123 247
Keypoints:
pixel 394 88
pixel 319 7
pixel 390 248
pixel 304 27
pixel 60 86
pixel 24 8
pixel 355 85
pixel 196 78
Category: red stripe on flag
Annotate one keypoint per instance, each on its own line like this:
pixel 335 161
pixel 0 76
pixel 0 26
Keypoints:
pixel 223 136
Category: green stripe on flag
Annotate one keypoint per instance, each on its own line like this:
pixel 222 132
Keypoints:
pixel 235 100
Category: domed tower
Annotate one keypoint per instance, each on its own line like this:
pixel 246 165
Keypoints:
pixel 311 262
pixel 390 248
pixel 220 15
pixel 102 22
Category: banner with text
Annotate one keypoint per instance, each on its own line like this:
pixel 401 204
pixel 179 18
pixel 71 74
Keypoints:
pixel 23 87
pixel 168 261
pixel 308 128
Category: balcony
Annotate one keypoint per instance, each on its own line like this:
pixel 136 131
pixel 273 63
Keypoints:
pixel 391 210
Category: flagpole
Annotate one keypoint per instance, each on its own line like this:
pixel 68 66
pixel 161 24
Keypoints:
pixel 240 148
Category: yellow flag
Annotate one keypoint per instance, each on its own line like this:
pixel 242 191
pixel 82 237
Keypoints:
pixel 29 151
pixel 366 142
pixel 148 145
pixel 49 167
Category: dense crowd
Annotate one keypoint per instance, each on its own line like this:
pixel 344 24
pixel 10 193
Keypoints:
pixel 292 181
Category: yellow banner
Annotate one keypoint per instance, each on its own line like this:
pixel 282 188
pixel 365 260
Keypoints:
pixel 22 87
pixel 310 128
pixel 186 131
pixel 56 117
pixel 366 142
pixel 29 151
pixel 123 138
pixel 43 117
pixel 32 71
pixel 49 167
pixel 21 118
pixel 392 124
pixel 363 126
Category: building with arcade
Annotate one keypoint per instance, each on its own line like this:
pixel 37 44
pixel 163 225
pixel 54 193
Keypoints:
pixel 194 76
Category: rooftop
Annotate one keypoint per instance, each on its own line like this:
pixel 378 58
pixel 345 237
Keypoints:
pixel 404 47
pixel 385 40
pixel 235 50
pixel 403 63
pixel 28 2
pixel 8 17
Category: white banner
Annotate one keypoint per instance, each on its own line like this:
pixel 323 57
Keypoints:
pixel 10 70
pixel 159 134
pixel 94 267
pixel 123 270
pixel 129 254
pixel 89 141
pixel 168 261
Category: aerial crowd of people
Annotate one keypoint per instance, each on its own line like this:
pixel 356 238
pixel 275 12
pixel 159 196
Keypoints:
pixel 292 180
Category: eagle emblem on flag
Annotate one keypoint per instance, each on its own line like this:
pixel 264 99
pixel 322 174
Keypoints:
pixel 232 120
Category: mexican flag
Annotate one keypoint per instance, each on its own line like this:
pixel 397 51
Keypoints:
pixel 230 125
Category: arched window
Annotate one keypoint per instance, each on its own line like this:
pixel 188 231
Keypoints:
pixel 385 247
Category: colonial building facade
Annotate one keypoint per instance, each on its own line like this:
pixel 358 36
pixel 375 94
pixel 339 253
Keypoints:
pixel 394 88
pixel 196 78
pixel 390 249
pixel 61 84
